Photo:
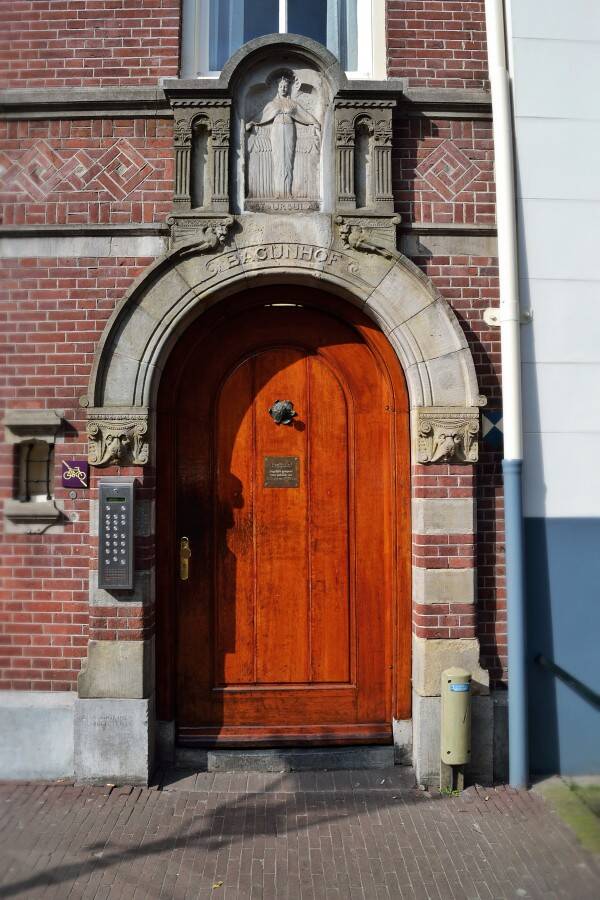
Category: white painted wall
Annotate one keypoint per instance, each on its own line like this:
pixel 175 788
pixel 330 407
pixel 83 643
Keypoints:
pixel 555 57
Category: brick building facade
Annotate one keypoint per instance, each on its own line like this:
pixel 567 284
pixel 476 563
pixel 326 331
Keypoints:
pixel 88 181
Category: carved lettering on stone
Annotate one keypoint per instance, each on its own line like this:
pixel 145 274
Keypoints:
pixel 118 439
pixel 283 145
pixel 446 435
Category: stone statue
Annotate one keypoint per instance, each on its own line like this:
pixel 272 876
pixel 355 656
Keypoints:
pixel 274 144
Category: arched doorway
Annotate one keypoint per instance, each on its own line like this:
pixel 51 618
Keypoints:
pixel 293 625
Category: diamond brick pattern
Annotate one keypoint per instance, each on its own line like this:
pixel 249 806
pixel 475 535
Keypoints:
pixel 120 170
pixel 448 170
pixel 42 171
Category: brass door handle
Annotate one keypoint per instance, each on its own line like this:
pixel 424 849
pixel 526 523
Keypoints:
pixel 184 558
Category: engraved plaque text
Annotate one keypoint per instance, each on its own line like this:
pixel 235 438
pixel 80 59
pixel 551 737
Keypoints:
pixel 282 471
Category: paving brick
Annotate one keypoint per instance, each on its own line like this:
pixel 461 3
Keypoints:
pixel 342 837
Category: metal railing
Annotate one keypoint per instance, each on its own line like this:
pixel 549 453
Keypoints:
pixel 578 686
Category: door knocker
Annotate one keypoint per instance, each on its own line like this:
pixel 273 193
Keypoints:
pixel 282 412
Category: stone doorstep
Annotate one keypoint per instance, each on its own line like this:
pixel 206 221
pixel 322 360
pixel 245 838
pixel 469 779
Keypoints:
pixel 285 760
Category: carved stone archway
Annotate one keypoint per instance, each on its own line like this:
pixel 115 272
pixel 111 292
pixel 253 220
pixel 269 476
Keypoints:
pixel 260 248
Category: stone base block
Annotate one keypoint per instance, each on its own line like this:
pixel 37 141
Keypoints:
pixel 120 670
pixel 426 737
pixel 403 741
pixel 432 657
pixel 114 741
pixel 36 734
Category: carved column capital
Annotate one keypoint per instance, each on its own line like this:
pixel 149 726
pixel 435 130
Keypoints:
pixel 182 132
pixel 383 131
pixel 446 434
pixel 220 132
pixel 344 133
pixel 118 438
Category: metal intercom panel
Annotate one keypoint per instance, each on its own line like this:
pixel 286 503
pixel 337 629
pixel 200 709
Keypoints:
pixel 115 531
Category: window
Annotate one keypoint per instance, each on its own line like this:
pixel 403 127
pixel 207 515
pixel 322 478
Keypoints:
pixel 35 470
pixel 32 432
pixel 214 29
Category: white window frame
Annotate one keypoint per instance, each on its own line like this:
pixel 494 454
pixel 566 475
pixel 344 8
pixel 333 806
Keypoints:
pixel 371 43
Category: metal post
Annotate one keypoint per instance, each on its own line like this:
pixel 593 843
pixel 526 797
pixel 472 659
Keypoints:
pixel 515 590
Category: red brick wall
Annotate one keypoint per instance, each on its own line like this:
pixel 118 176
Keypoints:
pixel 437 43
pixel 94 171
pixel 81 43
pixel 52 312
pixel 470 284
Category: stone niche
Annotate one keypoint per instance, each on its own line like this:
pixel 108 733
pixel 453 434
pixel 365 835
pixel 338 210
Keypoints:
pixel 281 130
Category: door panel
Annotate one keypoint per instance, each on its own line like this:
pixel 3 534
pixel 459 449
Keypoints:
pixel 286 629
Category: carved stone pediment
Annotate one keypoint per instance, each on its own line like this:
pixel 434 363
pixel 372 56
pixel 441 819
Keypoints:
pixel 446 434
pixel 117 438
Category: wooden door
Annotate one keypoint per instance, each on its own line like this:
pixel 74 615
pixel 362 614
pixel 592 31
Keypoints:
pixel 294 618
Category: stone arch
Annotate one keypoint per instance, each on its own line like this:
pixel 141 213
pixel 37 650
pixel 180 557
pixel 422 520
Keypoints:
pixel 417 320
pixel 388 287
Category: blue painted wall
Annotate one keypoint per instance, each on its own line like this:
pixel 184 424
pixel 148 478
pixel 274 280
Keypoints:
pixel 563 622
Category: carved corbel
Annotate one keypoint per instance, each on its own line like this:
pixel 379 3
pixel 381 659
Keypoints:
pixel 117 438
pixel 446 434
pixel 369 235
pixel 206 238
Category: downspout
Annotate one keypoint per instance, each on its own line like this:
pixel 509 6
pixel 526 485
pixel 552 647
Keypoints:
pixel 510 342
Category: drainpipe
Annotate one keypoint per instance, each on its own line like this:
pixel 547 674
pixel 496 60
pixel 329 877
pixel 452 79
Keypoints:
pixel 510 322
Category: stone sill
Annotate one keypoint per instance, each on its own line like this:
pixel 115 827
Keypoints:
pixel 31 516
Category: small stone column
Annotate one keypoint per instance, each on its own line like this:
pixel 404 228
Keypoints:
pixel 183 147
pixel 344 153
pixel 383 163
pixel 220 160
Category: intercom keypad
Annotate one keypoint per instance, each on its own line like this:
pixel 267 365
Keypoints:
pixel 116 535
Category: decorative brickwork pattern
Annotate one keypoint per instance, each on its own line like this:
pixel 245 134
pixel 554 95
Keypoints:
pixel 88 171
pixel 435 43
pixel 443 171
pixel 79 43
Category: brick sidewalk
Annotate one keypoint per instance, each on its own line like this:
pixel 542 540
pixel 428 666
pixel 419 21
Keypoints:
pixel 305 835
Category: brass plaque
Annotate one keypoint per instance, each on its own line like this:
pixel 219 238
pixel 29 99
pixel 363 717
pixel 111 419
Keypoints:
pixel 282 471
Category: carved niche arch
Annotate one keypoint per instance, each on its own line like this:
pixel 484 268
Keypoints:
pixel 420 325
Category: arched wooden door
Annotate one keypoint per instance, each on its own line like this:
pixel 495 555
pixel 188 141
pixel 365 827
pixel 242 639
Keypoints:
pixel 294 623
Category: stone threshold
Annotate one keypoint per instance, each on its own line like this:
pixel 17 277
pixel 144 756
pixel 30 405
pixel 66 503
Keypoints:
pixel 292 759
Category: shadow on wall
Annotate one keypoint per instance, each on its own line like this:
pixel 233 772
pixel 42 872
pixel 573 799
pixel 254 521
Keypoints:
pixel 563 623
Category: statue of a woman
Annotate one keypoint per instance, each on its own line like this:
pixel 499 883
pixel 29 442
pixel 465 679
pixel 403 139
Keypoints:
pixel 283 113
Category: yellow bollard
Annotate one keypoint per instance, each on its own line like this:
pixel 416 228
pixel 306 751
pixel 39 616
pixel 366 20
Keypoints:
pixel 455 744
